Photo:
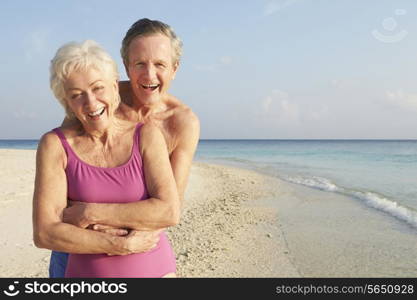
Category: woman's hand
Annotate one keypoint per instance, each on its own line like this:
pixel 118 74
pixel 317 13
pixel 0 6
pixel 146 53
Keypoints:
pixel 137 242
pixel 109 229
pixel 142 241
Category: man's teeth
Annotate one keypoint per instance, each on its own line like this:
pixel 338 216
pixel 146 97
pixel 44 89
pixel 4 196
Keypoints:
pixel 97 112
pixel 150 86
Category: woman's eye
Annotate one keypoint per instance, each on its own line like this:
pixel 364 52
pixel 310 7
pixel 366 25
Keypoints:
pixel 75 96
pixel 98 88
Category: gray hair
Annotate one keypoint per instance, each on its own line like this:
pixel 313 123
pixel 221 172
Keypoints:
pixel 75 56
pixel 146 27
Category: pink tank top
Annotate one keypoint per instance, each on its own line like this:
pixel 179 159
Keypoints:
pixel 125 183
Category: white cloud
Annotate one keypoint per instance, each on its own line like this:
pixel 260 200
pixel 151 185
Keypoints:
pixel 276 5
pixel 226 60
pixel 345 83
pixel 278 107
pixel 36 43
pixel 338 83
pixel 221 62
pixel 24 115
pixel 401 99
pixel 319 114
pixel 205 68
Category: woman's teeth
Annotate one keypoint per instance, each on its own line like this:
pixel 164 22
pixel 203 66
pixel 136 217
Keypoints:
pixel 150 86
pixel 97 112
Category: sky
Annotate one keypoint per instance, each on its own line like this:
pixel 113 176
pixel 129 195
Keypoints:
pixel 267 69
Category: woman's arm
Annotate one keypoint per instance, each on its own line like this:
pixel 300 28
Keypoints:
pixel 161 210
pixel 49 201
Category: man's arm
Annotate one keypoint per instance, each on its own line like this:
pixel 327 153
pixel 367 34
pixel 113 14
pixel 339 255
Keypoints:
pixel 161 210
pixel 183 154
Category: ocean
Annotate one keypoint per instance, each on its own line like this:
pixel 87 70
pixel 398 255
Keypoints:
pixel 19 144
pixel 381 173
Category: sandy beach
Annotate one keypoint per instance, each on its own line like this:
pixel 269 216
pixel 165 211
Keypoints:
pixel 226 229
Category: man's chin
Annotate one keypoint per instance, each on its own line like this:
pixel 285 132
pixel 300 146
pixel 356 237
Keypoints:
pixel 150 100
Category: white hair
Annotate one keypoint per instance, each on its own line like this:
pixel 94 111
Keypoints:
pixel 73 57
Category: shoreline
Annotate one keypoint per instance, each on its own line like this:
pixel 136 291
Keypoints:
pixel 334 235
pixel 236 223
pixel 223 231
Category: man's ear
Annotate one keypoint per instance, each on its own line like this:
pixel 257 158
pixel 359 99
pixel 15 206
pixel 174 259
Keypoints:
pixel 176 66
pixel 126 69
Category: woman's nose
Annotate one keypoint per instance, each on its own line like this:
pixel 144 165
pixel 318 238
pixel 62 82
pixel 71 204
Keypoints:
pixel 90 99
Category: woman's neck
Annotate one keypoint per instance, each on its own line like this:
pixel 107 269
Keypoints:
pixel 107 135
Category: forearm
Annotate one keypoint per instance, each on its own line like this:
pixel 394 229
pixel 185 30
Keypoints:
pixel 181 179
pixel 71 239
pixel 149 214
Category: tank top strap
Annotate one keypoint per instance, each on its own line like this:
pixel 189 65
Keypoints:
pixel 63 140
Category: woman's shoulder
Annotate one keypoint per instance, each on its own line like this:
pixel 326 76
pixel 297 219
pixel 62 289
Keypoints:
pixel 50 146
pixel 49 139
pixel 53 139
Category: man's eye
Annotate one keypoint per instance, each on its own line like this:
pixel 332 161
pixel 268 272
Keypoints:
pixel 75 96
pixel 98 88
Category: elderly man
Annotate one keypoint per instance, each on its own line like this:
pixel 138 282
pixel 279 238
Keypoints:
pixel 151 54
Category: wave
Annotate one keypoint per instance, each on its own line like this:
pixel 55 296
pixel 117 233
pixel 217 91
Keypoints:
pixel 371 199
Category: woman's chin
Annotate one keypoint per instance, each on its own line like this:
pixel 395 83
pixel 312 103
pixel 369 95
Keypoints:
pixel 95 124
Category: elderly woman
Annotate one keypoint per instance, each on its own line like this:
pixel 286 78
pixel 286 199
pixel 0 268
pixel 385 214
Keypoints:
pixel 110 160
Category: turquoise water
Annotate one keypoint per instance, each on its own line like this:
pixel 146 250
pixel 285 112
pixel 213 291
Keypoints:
pixel 381 173
pixel 19 144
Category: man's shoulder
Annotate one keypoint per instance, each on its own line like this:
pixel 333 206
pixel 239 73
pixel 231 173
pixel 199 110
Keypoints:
pixel 185 121
pixel 181 113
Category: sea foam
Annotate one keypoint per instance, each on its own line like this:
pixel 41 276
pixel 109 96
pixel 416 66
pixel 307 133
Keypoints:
pixel 371 199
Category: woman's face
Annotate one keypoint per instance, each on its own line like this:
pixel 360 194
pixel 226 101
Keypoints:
pixel 91 96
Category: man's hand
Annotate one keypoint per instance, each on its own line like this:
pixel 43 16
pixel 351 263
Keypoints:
pixel 76 214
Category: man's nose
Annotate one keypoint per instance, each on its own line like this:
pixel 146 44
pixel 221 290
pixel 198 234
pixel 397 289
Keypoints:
pixel 150 71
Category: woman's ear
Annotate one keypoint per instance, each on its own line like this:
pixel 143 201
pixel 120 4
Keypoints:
pixel 116 85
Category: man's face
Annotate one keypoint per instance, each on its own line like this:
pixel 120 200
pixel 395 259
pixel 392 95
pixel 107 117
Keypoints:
pixel 150 68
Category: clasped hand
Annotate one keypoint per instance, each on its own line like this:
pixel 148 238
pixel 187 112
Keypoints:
pixel 133 241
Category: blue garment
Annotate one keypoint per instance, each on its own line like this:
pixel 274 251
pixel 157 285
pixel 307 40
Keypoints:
pixel 58 264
